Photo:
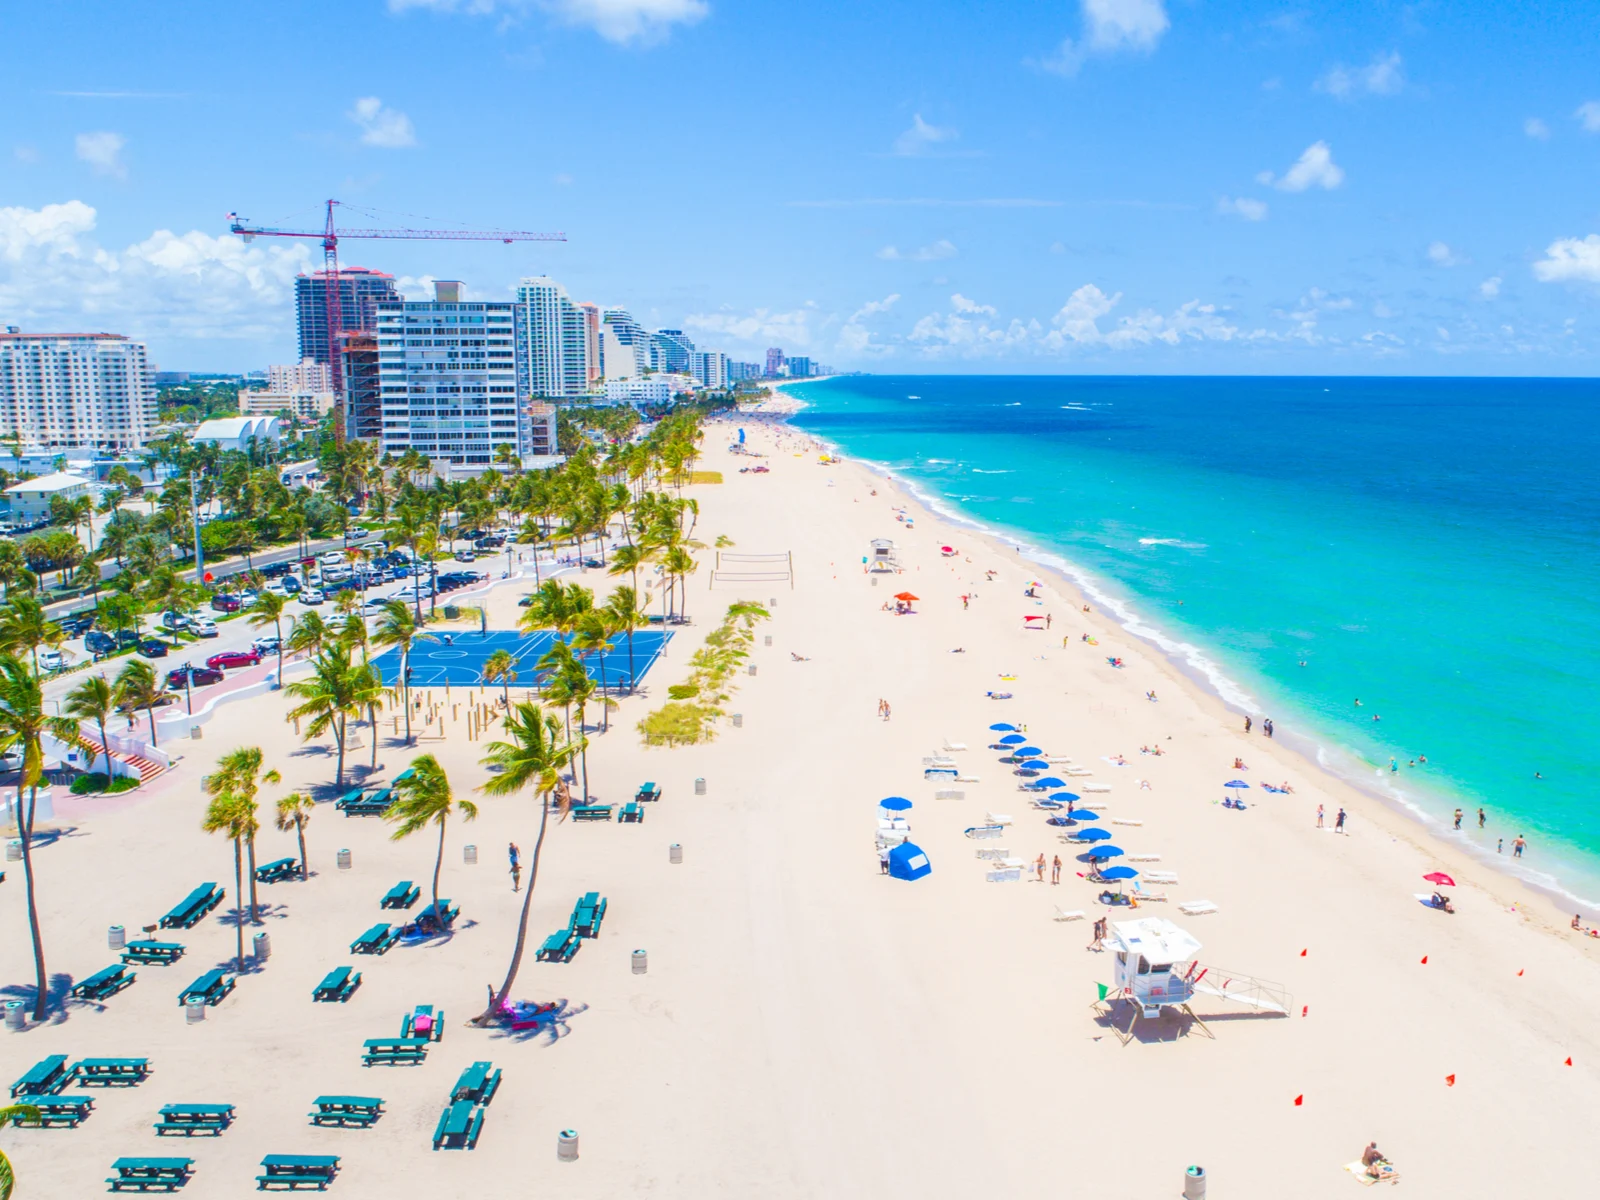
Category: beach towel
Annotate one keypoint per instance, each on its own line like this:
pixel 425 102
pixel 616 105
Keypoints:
pixel 1390 1175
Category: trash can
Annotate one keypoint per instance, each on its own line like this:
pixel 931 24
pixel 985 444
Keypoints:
pixel 1194 1184
pixel 752 668
pixel 343 859
pixel 641 962
pixel 195 732
pixel 451 612
pixel 116 937
pixel 469 855
pixel 700 785
pixel 738 720
pixel 261 946
pixel 769 639
pixel 16 1015
pixel 675 853
pixel 14 850
pixel 567 1145
pixel 194 1010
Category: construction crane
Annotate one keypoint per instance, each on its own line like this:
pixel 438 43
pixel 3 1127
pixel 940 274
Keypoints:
pixel 330 236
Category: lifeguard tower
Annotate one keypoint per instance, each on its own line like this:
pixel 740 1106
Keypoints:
pixel 881 557
pixel 1155 967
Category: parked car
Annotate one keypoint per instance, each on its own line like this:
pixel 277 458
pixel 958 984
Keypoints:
pixel 311 596
pixel 274 570
pixel 249 596
pixel 127 638
pixel 332 558
pixel 176 620
pixel 96 642
pixel 51 660
pixel 466 556
pixel 203 626
pixel 233 658
pixel 76 623
pixel 291 584
pixel 153 648
pixel 193 676
pixel 161 701
pixel 226 602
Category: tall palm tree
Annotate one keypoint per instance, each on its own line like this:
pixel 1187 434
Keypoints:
pixel 531 760
pixel 138 687
pixel 308 635
pixel 680 566
pixel 592 635
pixel 368 692
pixel 329 698
pixel 166 592
pixel 94 700
pixel 294 812
pixel 398 627
pixel 425 799
pixel 227 814
pixel 23 727
pixel 268 610
pixel 24 628
pixel 501 665
pixel 238 774
pixel 622 610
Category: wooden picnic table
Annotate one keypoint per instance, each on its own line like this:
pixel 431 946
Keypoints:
pixel 193 906
pixel 293 1171
pixel 360 1111
pixel 149 951
pixel 394 1050
pixel 68 1110
pixel 402 895
pixel 107 1072
pixel 376 940
pixel 214 985
pixel 189 1119
pixel 459 1126
pixel 338 984
pixel 45 1078
pixel 105 983
pixel 146 1174
pixel 272 872
pixel 477 1083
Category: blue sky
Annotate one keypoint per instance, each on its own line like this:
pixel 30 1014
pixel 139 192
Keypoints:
pixel 1096 185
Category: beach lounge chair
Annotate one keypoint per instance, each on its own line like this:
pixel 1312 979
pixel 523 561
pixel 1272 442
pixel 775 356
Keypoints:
pixel 1197 908
pixel 337 986
pixel 1161 877
pixel 952 747
pixel 997 818
pixel 1062 914
pixel 150 1174
pixel 560 946
pixel 376 940
pixel 1005 875
pixel 1144 858
pixel 161 953
pixel 1095 788
pixel 105 984
pixel 980 832
pixel 939 760
pixel 1125 820
pixel 967 779
pixel 402 895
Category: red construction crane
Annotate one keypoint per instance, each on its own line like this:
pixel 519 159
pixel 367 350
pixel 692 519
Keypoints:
pixel 330 236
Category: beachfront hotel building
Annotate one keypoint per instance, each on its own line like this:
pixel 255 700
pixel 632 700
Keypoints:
pixel 552 342
pixel 591 342
pixel 775 362
pixel 624 345
pixel 670 351
pixel 360 291
pixel 70 390
pixel 447 377
pixel 709 368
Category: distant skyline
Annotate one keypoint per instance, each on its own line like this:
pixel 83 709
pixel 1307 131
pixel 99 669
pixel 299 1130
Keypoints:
pixel 1096 186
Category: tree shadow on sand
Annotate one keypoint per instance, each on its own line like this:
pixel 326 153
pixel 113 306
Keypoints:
pixel 58 999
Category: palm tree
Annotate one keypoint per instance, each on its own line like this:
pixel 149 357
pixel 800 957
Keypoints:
pixel 167 593
pixel 678 564
pixel 333 694
pixel 501 665
pixel 308 635
pixel 398 627
pixel 24 628
pixel 368 691
pixel 425 799
pixel 138 687
pixel 294 812
pixel 268 610
pixel 95 700
pixel 22 1114
pixel 23 726
pixel 622 610
pixel 531 760
pixel 226 814
pixel 592 635
pixel 239 775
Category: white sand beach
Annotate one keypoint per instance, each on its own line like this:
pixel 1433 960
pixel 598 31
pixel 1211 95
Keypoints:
pixel 809 1027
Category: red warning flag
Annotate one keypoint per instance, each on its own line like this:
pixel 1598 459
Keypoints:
pixel 1519 974
pixel 1299 1100
pixel 1449 1081
pixel 1569 1060
pixel 1304 1009
pixel 1424 960
pixel 1302 954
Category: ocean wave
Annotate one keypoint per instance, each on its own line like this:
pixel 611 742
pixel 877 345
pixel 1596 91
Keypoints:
pixel 1076 408
pixel 1001 471
pixel 1179 542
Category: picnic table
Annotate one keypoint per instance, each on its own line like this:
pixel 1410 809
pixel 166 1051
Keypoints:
pixel 338 985
pixel 353 796
pixel 560 946
pixel 190 1119
pixel 376 940
pixel 213 985
pixel 110 1072
pixel 632 813
pixel 443 913
pixel 106 983
pixel 477 1083
pixel 588 914
pixel 45 1078
pixel 433 1027
pixel 150 951
pixel 459 1126
pixel 648 791
pixel 276 872
pixel 374 805
pixel 394 1050
pixel 360 1111
pixel 402 895
pixel 59 1111
pixel 403 776
pixel 192 907
pixel 293 1171
pixel 147 1174
pixel 591 812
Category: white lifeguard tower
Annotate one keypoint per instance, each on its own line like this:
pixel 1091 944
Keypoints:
pixel 881 557
pixel 1154 967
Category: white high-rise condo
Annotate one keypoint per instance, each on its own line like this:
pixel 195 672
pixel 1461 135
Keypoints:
pixel 71 390
pixel 624 345
pixel 709 368
pixel 552 342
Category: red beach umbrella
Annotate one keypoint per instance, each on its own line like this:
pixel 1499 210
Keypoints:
pixel 1033 618
pixel 907 597
pixel 1440 878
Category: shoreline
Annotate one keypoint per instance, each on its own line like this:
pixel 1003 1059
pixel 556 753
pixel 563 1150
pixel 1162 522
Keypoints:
pixel 1207 676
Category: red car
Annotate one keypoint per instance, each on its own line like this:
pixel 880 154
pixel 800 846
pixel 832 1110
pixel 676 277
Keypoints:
pixel 227 603
pixel 233 658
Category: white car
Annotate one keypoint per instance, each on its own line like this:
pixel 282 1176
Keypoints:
pixel 311 596
pixel 51 660
pixel 277 589
pixel 332 558
pixel 203 626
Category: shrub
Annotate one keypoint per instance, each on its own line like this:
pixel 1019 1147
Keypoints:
pixel 85 785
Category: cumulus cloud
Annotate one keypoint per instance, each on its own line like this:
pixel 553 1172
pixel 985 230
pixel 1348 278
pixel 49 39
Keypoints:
pixel 1489 288
pixel 922 137
pixel 1536 129
pixel 943 248
pixel 620 21
pixel 103 152
pixel 873 307
pixel 190 285
pixel 1588 115
pixel 386 127
pixel 760 326
pixel 962 305
pixel 1570 260
pixel 1380 77
pixel 1243 206
pixel 1440 255
pixel 855 338
pixel 1314 168
pixel 1110 26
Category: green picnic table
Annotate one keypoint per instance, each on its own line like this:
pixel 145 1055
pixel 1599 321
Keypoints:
pixel 632 813
pixel 402 895
pixel 423 1022
pixel 376 940
pixel 68 1110
pixel 45 1078
pixel 459 1126
pixel 394 1051
pixel 403 776
pixel 110 1072
pixel 648 791
pixel 104 984
pixel 443 914
pixel 294 1171
pixel 591 812
pixel 148 951
pixel 360 1111
pixel 588 914
pixel 374 805
pixel 560 946
pixel 276 872
pixel 188 911
pixel 213 985
pixel 338 985
pixel 477 1083
pixel 353 796
pixel 190 1119
pixel 150 1174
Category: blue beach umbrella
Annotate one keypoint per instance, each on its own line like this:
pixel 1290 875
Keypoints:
pixel 1063 797
pixel 895 803
pixel 1048 782
pixel 1236 783
pixel 1082 814
pixel 1119 873
pixel 1101 853
pixel 1091 834
pixel 1028 752
pixel 1004 728
pixel 1012 739
pixel 1034 764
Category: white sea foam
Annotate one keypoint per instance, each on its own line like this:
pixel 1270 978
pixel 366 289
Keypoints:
pixel 1179 542
pixel 1001 471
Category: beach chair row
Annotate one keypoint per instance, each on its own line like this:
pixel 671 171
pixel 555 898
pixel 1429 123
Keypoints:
pixel 587 916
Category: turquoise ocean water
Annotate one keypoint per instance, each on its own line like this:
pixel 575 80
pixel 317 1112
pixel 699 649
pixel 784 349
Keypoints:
pixel 1430 547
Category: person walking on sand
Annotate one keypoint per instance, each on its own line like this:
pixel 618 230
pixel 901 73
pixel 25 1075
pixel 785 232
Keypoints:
pixel 1047 619
pixel 885 710
pixel 1319 816
pixel 1338 821
pixel 1038 868
pixel 883 860
pixel 1099 935
pixel 1246 725
pixel 515 855
pixel 1055 870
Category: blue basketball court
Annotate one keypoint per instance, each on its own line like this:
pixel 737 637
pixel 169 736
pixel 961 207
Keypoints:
pixel 459 662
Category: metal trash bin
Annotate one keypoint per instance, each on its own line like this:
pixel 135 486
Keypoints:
pixel 194 1010
pixel 752 668
pixel 641 962
pixel 16 1015
pixel 675 853
pixel 116 937
pixel 567 1145
pixel 769 639
pixel 14 850
pixel 469 855
pixel 700 785
pixel 343 860
pixel 1194 1184
pixel 261 946
pixel 738 720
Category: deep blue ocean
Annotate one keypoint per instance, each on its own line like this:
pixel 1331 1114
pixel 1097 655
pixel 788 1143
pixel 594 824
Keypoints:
pixel 1427 546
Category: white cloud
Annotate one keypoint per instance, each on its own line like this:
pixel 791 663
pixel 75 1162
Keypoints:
pixel 1314 168
pixel 855 338
pixel 962 305
pixel 921 136
pixel 103 152
pixel 1490 288
pixel 1440 255
pixel 380 126
pixel 1569 260
pixel 1243 206
pixel 1537 129
pixel 1380 77
pixel 620 21
pixel 943 248
pixel 1108 27
pixel 760 327
pixel 191 285
pixel 1078 323
pixel 1588 115
pixel 873 307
